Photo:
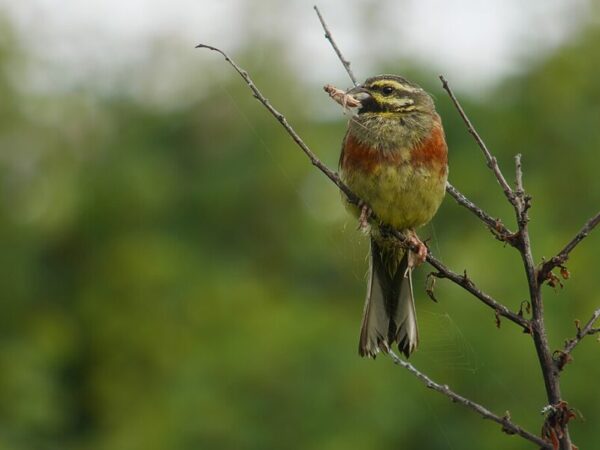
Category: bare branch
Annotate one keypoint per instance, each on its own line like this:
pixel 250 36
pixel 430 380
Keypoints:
pixel 519 175
pixel 329 37
pixel 494 225
pixel 465 282
pixel 588 329
pixel 462 280
pixel 507 425
pixel 522 200
pixel 563 255
pixel 521 203
pixel 445 272
pixel 491 160
pixel 352 198
pixel 519 191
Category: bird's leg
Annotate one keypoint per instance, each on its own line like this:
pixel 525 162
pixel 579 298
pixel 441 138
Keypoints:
pixel 363 219
pixel 417 258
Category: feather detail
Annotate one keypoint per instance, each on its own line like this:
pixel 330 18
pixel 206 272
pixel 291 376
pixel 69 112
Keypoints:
pixel 389 314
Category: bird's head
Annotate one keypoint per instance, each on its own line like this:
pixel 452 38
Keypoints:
pixel 393 112
pixel 391 95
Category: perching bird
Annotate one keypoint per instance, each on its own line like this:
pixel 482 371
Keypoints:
pixel 394 157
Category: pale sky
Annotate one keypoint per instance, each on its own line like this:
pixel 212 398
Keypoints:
pixel 474 43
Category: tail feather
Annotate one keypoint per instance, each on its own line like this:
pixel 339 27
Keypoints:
pixel 389 314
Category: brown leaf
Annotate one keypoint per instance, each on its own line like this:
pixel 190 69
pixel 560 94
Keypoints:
pixel 430 285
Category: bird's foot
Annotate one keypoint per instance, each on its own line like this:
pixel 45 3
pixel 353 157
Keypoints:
pixel 363 219
pixel 418 257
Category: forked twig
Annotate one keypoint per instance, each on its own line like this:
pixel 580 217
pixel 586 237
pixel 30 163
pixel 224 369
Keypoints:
pixel 498 229
pixel 563 255
pixel 521 203
pixel 587 330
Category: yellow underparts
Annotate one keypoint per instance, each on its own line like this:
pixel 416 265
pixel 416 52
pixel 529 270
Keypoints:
pixel 403 196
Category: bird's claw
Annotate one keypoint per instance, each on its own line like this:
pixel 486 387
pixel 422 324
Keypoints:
pixel 418 257
pixel 363 219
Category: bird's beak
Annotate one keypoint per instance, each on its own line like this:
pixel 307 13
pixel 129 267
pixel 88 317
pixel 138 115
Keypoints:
pixel 359 93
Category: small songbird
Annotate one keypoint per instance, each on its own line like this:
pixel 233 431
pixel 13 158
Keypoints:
pixel 394 157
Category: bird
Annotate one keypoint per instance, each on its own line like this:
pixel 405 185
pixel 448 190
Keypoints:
pixel 394 157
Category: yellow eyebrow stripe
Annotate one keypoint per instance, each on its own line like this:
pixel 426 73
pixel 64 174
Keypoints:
pixel 398 102
pixel 395 84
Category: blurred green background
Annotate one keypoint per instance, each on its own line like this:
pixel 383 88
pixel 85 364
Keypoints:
pixel 180 277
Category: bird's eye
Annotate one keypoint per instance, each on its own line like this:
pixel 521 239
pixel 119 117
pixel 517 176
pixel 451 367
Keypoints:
pixel 387 90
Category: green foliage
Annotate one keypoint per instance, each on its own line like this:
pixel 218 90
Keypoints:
pixel 185 279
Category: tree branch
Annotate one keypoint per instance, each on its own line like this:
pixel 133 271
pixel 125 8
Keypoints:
pixel 492 163
pixel 522 200
pixel 467 284
pixel 508 426
pixel 444 272
pixel 563 255
pixel 352 198
pixel 521 203
pixel 588 329
pixel 496 226
pixel 329 37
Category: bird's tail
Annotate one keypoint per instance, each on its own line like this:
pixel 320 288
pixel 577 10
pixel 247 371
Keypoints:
pixel 389 314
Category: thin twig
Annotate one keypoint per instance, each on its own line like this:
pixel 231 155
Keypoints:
pixel 519 175
pixel 522 200
pixel 563 255
pixel 329 37
pixel 519 190
pixel 588 329
pixel 467 284
pixel 492 163
pixel 496 226
pixel 507 425
pixel 352 198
